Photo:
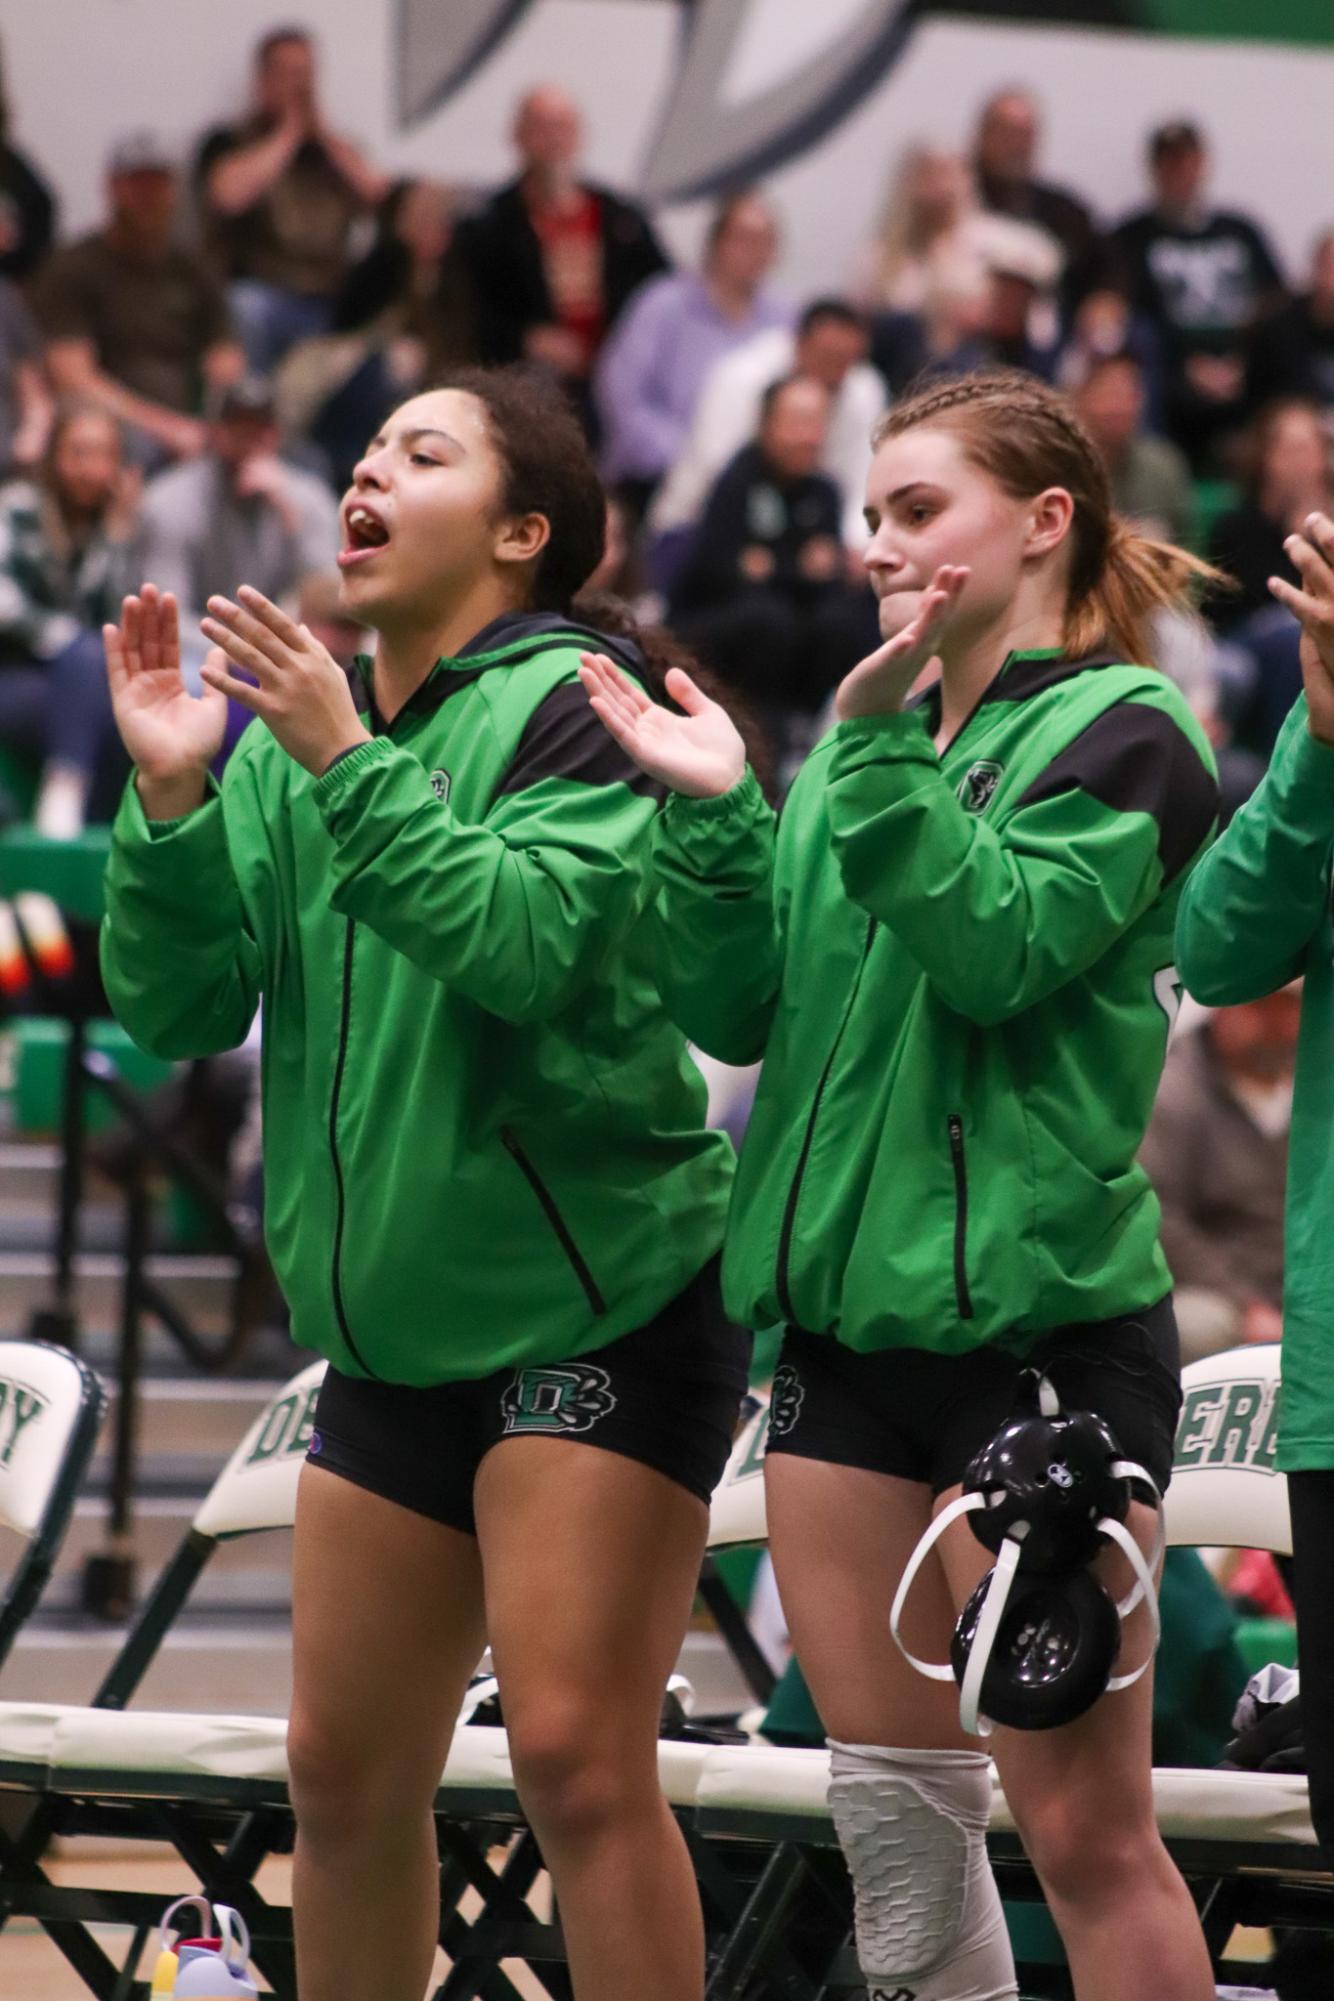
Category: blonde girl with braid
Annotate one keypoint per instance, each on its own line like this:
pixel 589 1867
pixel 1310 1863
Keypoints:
pixel 954 955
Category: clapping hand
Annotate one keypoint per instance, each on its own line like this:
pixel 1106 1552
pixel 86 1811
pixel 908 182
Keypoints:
pixel 699 753
pixel 171 737
pixel 1312 554
pixel 302 693
pixel 879 684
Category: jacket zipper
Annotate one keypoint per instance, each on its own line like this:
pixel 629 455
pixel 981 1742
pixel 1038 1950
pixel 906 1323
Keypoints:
pixel 556 1220
pixel 961 1293
pixel 340 1217
pixel 784 1273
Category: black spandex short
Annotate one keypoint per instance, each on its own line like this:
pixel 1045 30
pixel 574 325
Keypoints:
pixel 667 1395
pixel 922 1416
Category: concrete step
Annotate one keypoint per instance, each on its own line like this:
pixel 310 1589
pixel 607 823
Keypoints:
pixel 204 1418
pixel 218 1666
pixel 158 1526
pixel 201 1284
pixel 29 1171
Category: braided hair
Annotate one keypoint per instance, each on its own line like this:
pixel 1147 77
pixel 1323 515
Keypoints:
pixel 1027 438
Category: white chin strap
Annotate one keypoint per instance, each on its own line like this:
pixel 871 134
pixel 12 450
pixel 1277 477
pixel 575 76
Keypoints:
pixel 1002 1579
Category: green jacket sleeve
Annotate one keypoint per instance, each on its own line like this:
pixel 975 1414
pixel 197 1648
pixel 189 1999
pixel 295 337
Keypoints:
pixel 999 919
pixel 717 945
pixel 517 912
pixel 181 969
pixel 1253 905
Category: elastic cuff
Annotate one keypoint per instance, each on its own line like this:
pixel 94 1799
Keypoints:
pixel 162 830
pixel 683 808
pixel 346 766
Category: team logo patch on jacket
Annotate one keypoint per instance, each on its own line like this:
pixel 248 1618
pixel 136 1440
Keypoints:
pixel 440 786
pixel 571 1398
pixel 977 787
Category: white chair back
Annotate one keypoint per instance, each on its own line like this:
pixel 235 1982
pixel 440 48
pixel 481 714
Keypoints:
pixel 1226 1489
pixel 737 1513
pixel 50 1404
pixel 256 1489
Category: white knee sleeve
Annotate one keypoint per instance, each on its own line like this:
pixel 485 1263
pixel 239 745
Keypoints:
pixel 912 1825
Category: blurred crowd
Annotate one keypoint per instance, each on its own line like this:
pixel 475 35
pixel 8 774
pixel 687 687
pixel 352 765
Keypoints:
pixel 185 389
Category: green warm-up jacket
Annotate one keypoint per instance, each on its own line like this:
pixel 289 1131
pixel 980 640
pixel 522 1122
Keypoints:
pixel 484 1140
pixel 1256 915
pixel 958 970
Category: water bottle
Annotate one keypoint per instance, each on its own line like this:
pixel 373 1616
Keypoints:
pixel 208 1967
pixel 163 1985
pixel 220 1975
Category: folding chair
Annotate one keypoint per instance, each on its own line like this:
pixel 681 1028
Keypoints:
pixel 51 1406
pixel 215 1786
pixel 193 1780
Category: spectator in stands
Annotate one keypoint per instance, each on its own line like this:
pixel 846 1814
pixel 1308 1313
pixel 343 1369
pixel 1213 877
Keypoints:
pixel 281 192
pixel 65 540
pixel 1004 154
pixel 237 514
pixel 413 282
pixel 1202 277
pixel 25 404
pixel 27 206
pixel 1150 479
pixel 132 321
pixel 1288 476
pixel 1292 352
pixel 1217 1152
pixel 677 327
pixel 1287 469
pixel 934 237
pixel 763 595
pixel 829 345
pixel 406 314
pixel 555 257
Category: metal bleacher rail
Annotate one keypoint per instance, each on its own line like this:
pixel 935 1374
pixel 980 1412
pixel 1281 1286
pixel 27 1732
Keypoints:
pixel 70 873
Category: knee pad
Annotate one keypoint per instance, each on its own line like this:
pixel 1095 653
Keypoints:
pixel 912 1825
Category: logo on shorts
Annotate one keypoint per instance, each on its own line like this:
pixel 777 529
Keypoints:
pixel 977 788
pixel 440 783
pixel 572 1398
pixel 789 1394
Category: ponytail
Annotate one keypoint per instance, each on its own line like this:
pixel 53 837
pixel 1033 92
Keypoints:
pixel 1136 578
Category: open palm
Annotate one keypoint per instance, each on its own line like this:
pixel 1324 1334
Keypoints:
pixel 167 731
pixel 699 753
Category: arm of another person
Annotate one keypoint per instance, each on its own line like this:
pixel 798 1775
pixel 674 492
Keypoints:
pixel 75 374
pixel 1251 909
pixel 518 911
pixel 236 174
pixel 714 923
pixel 999 918
pixel 643 435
